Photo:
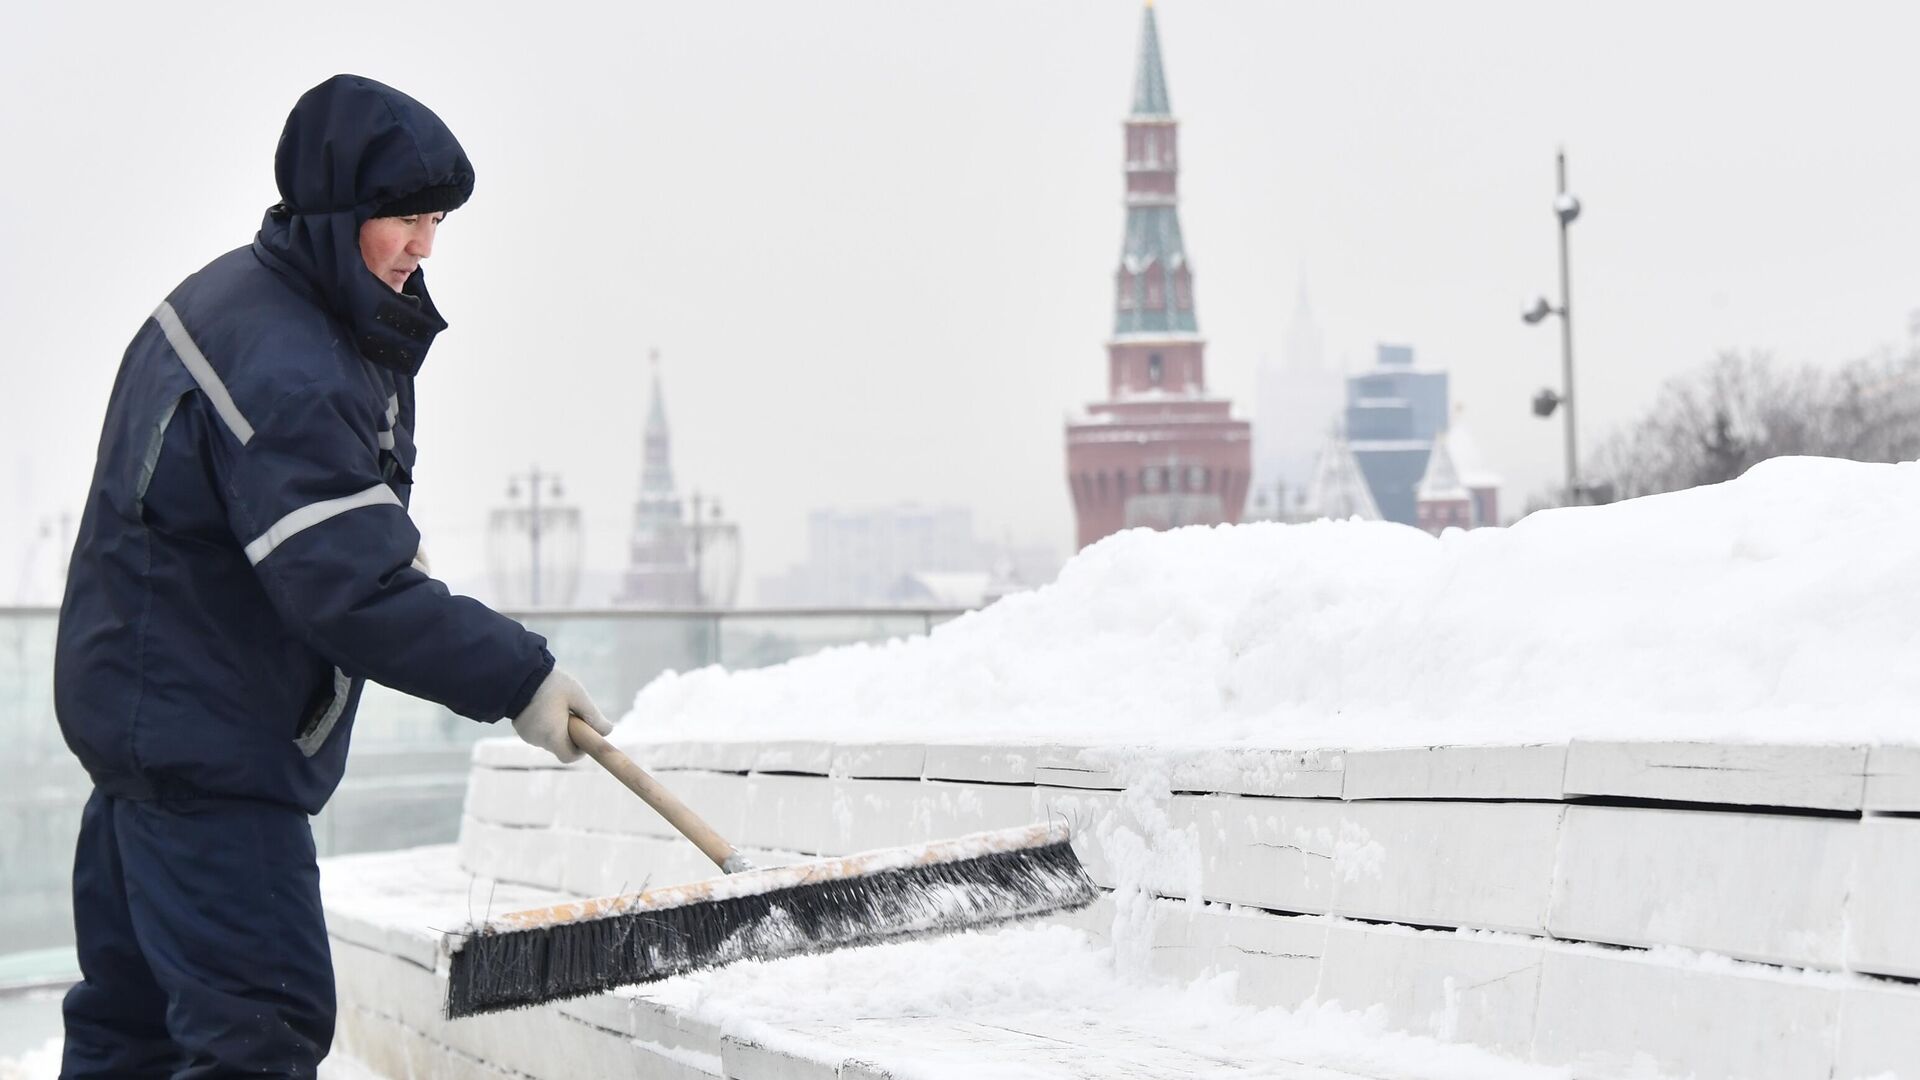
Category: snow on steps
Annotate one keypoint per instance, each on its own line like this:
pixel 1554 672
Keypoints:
pixel 1754 885
pixel 382 908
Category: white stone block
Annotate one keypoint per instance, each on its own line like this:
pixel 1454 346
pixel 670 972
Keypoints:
pixel 506 853
pixel 744 1059
pixel 429 1059
pixel 1300 774
pixel 984 763
pixel 944 810
pixel 879 761
pixel 719 798
pixel 473 850
pixel 448 1063
pixel 605 864
pixel 353 926
pixel 1076 767
pixel 766 857
pixel 662 1029
pixel 523 797
pixel 482 847
pixel 387 984
pixel 705 755
pixel 1094 920
pixel 1893 778
pixel 1125 839
pixel 538 1042
pixel 1081 810
pixel 1457 772
pixel 1183 941
pixel 866 815
pixel 1767 887
pixel 1487 866
pixel 805 756
pixel 1055 1047
pixel 1478 989
pixel 658 1063
pixel 652 1039
pixel 1608 1015
pixel 534 857
pixel 508 752
pixel 598 1051
pixel 356 973
pixel 1268 853
pixel 1884 908
pixel 596 802
pixel 421 944
pixel 788 813
pixel 1277 957
pixel 1879 1033
pixel 376 1041
pixel 1815 777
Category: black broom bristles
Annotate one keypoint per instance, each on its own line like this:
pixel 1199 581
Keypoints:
pixel 505 969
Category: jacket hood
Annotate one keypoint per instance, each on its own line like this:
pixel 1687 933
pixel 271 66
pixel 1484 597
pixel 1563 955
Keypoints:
pixel 351 146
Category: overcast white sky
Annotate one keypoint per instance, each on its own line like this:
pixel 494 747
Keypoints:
pixel 874 241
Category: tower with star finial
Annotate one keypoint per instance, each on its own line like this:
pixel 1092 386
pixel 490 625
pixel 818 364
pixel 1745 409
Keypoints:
pixel 660 571
pixel 1159 451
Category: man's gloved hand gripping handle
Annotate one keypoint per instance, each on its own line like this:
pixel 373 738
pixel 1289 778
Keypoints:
pixel 543 723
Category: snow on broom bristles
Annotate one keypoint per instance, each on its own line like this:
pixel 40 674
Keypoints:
pixel 530 957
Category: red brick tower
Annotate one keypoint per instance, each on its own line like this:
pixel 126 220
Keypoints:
pixel 1159 451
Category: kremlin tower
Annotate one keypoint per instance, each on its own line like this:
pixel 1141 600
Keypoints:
pixel 660 572
pixel 1159 451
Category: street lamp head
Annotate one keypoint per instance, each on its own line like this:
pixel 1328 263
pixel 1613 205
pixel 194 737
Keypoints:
pixel 1567 207
pixel 1536 311
pixel 1544 403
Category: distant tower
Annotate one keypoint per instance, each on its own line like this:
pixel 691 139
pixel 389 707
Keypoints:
pixel 1297 401
pixel 1159 451
pixel 660 569
pixel 1441 501
pixel 1394 412
pixel 1339 487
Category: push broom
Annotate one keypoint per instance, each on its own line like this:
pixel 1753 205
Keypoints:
pixel 587 946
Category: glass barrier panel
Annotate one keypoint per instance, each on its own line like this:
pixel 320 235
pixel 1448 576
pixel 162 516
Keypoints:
pixel 406 772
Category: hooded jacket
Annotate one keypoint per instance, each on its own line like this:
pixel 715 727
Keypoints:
pixel 244 557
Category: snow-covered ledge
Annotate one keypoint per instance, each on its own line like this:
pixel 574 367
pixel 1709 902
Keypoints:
pixel 1706 910
pixel 1618 791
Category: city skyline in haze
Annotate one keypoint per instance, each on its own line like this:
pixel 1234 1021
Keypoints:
pixel 874 242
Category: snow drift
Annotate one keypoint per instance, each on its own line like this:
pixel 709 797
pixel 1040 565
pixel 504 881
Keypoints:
pixel 1782 606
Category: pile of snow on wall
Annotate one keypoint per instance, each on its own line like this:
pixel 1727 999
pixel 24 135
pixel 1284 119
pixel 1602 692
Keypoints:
pixel 1782 606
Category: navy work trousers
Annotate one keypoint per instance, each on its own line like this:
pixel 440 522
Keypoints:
pixel 203 948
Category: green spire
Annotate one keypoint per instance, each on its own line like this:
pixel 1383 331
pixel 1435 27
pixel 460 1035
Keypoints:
pixel 1154 265
pixel 656 471
pixel 1149 80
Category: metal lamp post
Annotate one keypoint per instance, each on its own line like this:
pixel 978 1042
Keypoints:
pixel 533 478
pixel 1567 209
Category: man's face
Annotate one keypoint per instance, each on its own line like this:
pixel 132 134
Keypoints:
pixel 394 246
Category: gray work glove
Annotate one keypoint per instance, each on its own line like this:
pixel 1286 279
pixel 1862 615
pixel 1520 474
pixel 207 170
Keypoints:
pixel 543 723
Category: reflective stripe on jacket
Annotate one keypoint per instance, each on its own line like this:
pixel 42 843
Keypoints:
pixel 244 556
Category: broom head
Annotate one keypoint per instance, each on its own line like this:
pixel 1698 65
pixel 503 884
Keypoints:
pixel 587 946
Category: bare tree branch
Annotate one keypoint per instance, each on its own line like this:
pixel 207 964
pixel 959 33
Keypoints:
pixel 1743 408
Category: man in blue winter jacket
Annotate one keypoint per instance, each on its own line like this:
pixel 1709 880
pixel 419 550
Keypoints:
pixel 244 563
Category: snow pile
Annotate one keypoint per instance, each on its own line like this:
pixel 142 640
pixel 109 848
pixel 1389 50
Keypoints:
pixel 1783 606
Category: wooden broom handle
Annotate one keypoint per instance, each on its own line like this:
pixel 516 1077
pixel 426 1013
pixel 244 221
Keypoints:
pixel 641 783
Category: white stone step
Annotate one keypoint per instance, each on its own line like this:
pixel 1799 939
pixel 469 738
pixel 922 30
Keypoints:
pixel 386 913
